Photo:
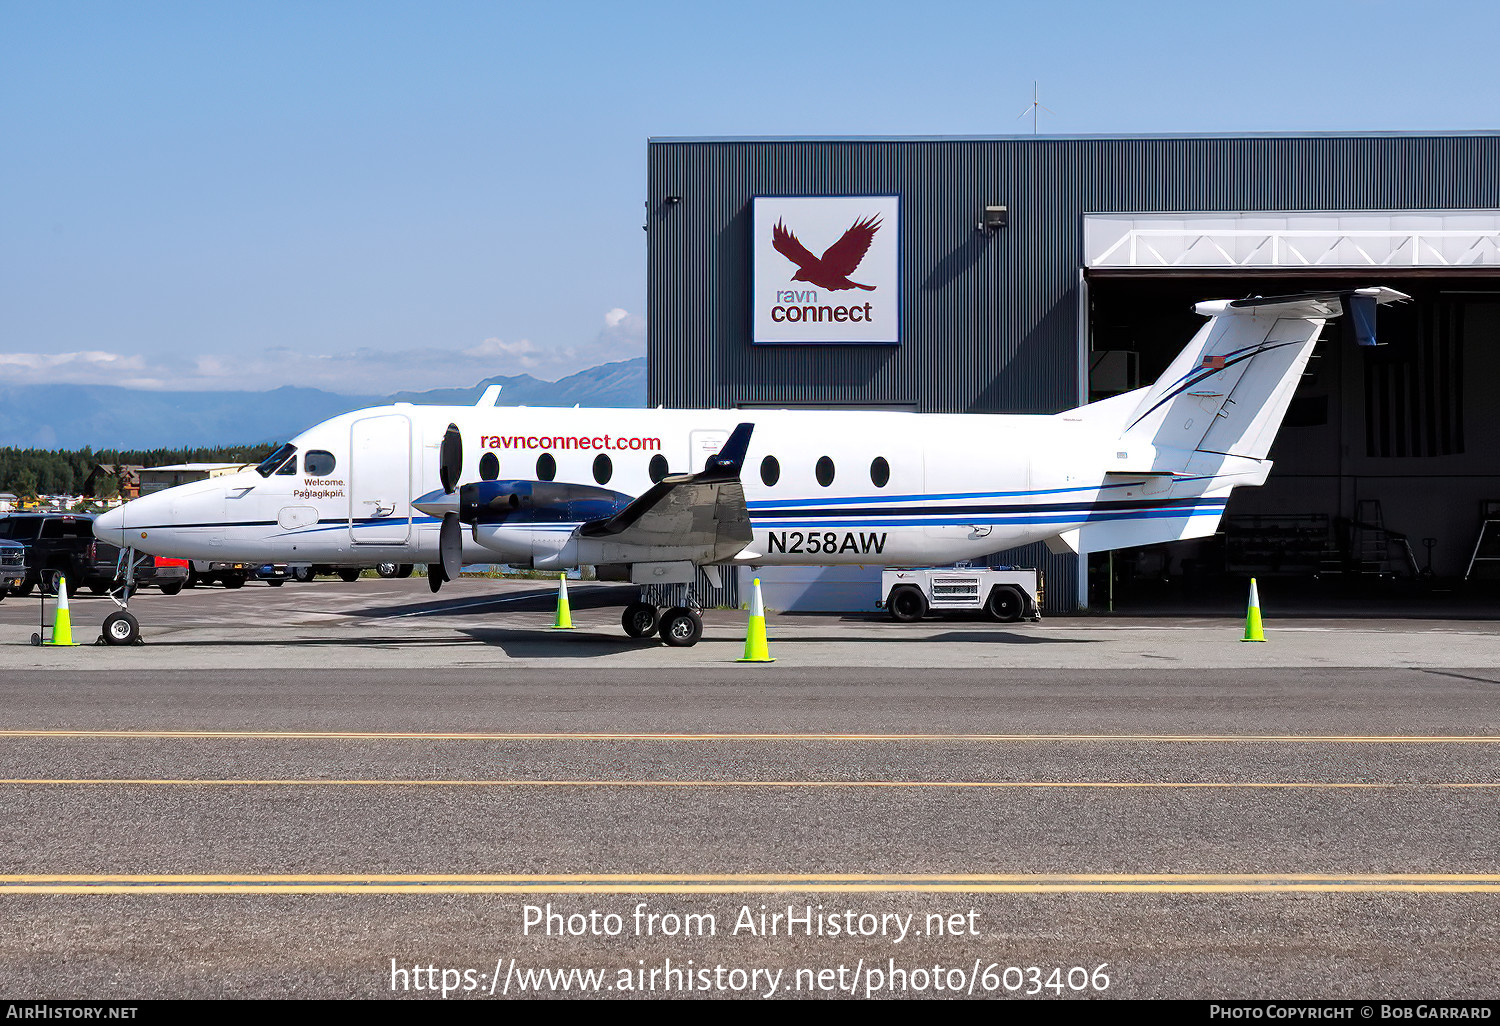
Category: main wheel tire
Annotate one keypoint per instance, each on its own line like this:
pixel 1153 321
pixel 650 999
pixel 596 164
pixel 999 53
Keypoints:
pixel 276 582
pixel 173 587
pixel 907 604
pixel 120 628
pixel 387 569
pixel 639 619
pixel 302 573
pixel 348 576
pixel 234 581
pixel 404 570
pixel 681 627
pixel 1005 604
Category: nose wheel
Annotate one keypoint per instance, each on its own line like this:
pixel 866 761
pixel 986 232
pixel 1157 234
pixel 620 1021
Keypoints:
pixel 121 628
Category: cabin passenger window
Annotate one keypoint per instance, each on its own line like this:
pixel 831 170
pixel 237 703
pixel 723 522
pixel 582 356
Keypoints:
pixel 546 467
pixel 658 468
pixel 603 468
pixel 880 472
pixel 824 471
pixel 770 471
pixel 318 463
pixel 489 466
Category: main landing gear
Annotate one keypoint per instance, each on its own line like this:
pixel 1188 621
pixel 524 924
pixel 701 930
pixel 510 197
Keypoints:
pixel 679 627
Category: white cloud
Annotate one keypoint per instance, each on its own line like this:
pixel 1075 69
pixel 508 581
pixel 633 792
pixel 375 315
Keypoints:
pixel 64 364
pixel 361 371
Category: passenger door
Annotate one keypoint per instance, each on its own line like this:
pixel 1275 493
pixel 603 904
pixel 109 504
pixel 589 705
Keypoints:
pixel 380 480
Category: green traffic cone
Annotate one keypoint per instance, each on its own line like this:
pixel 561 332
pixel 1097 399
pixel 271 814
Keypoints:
pixel 1253 629
pixel 62 620
pixel 756 649
pixel 563 621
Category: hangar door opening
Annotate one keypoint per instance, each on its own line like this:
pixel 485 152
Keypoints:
pixel 1387 467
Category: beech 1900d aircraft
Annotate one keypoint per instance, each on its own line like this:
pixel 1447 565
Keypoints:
pixel 651 496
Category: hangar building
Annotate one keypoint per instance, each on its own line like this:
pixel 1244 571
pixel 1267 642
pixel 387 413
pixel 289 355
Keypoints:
pixel 1031 274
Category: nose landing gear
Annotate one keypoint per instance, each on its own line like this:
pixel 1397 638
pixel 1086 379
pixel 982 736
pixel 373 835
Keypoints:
pixel 121 627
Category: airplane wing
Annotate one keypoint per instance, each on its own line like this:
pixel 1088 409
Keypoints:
pixel 704 510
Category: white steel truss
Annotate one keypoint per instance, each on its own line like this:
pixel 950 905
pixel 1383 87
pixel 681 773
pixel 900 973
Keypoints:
pixel 1441 239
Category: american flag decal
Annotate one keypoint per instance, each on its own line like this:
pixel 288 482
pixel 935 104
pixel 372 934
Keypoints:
pixel 1214 362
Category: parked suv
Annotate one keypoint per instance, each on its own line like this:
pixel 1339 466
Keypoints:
pixel 12 566
pixel 63 544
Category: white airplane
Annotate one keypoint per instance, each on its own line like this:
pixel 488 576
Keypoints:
pixel 650 496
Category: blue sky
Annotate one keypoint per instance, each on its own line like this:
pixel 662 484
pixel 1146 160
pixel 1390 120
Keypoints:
pixel 371 196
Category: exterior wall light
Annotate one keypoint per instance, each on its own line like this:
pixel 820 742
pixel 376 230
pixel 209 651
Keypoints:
pixel 993 219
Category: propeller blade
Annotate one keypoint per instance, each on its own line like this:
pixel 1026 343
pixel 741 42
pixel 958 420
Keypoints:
pixel 451 463
pixel 451 546
pixel 434 577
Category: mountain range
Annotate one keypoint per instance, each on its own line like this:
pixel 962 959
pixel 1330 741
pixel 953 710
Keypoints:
pixel 109 416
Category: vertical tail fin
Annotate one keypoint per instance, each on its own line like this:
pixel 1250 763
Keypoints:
pixel 1207 424
pixel 1229 390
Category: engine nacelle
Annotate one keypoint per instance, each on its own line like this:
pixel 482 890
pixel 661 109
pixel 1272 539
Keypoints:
pixel 536 502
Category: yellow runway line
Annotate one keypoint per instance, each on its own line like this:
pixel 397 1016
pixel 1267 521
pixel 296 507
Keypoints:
pixel 651 883
pixel 668 783
pixel 300 735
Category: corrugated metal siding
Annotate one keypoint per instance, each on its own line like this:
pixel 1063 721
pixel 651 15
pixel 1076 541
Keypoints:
pixel 990 323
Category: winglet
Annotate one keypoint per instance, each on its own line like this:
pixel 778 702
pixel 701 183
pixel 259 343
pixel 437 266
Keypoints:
pixel 725 464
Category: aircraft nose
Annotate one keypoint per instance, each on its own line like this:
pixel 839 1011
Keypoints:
pixel 110 527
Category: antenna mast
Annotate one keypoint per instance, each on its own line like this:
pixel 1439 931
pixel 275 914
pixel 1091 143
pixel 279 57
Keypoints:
pixel 1035 108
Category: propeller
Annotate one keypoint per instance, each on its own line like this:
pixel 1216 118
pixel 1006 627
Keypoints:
pixel 451 546
pixel 450 536
pixel 451 458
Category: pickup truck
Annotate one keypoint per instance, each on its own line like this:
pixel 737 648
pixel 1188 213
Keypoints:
pixel 12 566
pixel 63 544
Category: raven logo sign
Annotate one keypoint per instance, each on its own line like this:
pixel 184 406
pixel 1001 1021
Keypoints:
pixel 842 286
pixel 830 271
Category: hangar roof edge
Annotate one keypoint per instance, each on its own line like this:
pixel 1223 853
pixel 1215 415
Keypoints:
pixel 1485 133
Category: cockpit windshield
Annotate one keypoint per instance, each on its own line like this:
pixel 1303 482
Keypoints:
pixel 268 465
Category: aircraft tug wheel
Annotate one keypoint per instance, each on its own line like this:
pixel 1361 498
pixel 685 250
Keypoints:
pixel 25 589
pixel 120 628
pixel 387 569
pixel 1005 605
pixel 98 589
pixel 639 620
pixel 404 570
pixel 681 627
pixel 302 573
pixel 173 588
pixel 234 580
pixel 348 576
pixel 907 604
pixel 276 582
